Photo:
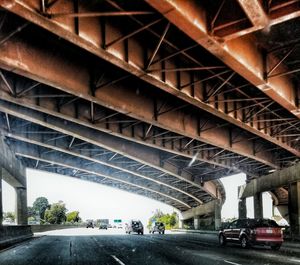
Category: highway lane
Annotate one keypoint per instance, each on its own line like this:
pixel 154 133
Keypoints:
pixel 91 246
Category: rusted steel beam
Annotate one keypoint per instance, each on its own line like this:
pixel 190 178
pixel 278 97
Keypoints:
pixel 9 86
pixel 255 12
pixel 131 150
pixel 158 45
pixel 124 135
pixel 38 141
pixel 260 20
pixel 97 14
pixel 86 44
pixel 69 164
pixel 13 33
pixel 281 60
pixel 200 68
pixel 132 33
pixel 75 80
pixel 240 54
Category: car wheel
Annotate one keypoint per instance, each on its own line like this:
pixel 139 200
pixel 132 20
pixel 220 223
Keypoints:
pixel 129 232
pixel 142 232
pixel 159 232
pixel 244 242
pixel 276 247
pixel 163 232
pixel 222 240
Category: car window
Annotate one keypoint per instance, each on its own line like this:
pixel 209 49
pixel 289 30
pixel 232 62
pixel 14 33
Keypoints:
pixel 233 224
pixel 266 223
pixel 240 223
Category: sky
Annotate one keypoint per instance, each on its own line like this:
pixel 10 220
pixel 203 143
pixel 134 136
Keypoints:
pixel 95 201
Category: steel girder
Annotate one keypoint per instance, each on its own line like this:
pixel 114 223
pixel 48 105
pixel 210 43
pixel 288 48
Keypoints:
pixel 140 154
pixel 103 157
pixel 72 77
pixel 87 41
pixel 73 162
pixel 73 109
pixel 241 54
pixel 92 176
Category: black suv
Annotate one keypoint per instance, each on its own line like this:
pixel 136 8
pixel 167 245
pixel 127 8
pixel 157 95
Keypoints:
pixel 248 232
pixel 134 226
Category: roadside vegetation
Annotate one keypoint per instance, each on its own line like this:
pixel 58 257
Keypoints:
pixel 42 212
pixel 170 220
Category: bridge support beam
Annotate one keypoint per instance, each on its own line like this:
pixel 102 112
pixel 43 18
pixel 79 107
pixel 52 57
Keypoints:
pixel 294 208
pixel 21 206
pixel 197 222
pixel 218 207
pixel 258 206
pixel 180 224
pixel 14 173
pixel 211 213
pixel 242 209
pixel 284 211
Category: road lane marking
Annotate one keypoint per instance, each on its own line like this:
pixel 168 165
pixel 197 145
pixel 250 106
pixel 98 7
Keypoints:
pixel 230 262
pixel 116 259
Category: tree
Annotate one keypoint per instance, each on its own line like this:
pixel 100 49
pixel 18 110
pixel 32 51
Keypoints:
pixel 73 217
pixel 170 220
pixel 31 212
pixel 40 205
pixel 173 219
pixel 10 215
pixel 155 217
pixel 56 214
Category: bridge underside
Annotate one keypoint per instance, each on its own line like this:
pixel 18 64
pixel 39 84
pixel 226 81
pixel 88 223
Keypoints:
pixel 160 98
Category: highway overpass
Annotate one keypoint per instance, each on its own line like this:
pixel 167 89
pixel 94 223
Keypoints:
pixel 161 98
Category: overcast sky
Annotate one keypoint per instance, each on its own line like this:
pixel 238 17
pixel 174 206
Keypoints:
pixel 95 201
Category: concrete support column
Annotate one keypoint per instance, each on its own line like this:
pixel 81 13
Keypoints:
pixel 196 222
pixel 242 208
pixel 180 224
pixel 294 208
pixel 217 214
pixel 258 206
pixel 21 206
pixel 1 206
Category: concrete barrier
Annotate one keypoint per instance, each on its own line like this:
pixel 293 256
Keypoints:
pixel 196 231
pixel 10 235
pixel 45 228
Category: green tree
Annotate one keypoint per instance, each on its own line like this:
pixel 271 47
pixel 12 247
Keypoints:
pixel 40 205
pixel 10 215
pixel 173 220
pixel 155 217
pixel 31 212
pixel 73 217
pixel 56 214
pixel 170 220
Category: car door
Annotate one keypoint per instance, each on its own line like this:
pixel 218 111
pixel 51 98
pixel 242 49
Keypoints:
pixel 237 230
pixel 228 232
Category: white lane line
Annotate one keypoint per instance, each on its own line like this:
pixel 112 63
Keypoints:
pixel 116 259
pixel 295 260
pixel 230 262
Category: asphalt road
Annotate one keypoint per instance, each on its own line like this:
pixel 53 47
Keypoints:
pixel 92 246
